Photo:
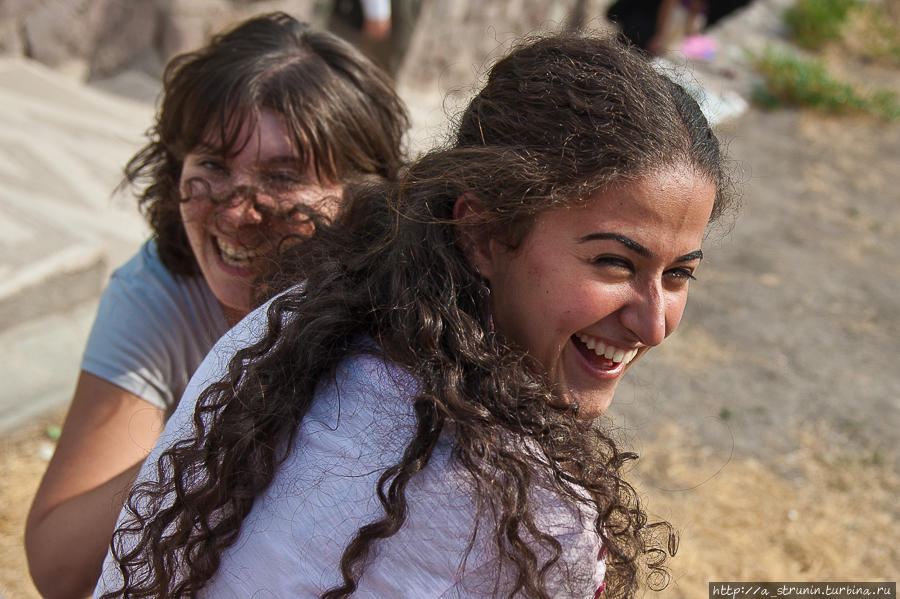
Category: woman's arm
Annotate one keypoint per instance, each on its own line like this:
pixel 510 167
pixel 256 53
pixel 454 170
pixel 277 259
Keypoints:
pixel 106 436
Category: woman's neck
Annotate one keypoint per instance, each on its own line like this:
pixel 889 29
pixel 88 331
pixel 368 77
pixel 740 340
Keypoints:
pixel 232 316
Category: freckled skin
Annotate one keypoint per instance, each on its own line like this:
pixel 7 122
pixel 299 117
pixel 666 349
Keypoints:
pixel 268 152
pixel 574 274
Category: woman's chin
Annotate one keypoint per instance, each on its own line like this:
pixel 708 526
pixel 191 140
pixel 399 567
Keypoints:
pixel 592 388
pixel 594 406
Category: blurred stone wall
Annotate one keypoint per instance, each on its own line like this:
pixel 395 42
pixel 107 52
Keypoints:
pixel 454 41
pixel 96 39
pixel 93 39
pixel 453 44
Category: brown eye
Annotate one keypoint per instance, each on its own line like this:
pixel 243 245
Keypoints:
pixel 212 166
pixel 613 262
pixel 681 275
pixel 284 178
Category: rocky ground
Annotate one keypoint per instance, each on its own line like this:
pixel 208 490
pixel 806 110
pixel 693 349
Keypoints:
pixel 768 424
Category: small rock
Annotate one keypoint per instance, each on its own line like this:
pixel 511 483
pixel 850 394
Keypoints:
pixel 45 450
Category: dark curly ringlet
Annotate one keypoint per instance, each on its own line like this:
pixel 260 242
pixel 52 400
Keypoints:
pixel 339 108
pixel 559 118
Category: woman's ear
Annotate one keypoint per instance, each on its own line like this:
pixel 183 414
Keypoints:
pixel 476 244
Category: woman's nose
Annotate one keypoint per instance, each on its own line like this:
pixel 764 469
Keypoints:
pixel 645 314
pixel 246 206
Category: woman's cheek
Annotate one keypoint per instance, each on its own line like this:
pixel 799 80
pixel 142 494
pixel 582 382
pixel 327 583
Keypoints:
pixel 193 211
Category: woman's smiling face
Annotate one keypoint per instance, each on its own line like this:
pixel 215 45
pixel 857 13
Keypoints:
pixel 592 288
pixel 238 208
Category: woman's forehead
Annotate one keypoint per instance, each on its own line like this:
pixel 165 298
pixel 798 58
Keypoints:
pixel 227 133
pixel 230 134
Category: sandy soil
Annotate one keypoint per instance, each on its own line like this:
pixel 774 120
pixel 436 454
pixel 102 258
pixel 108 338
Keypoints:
pixel 768 425
pixel 23 458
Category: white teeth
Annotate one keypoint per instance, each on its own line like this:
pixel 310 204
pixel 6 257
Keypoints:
pixel 234 255
pixel 607 351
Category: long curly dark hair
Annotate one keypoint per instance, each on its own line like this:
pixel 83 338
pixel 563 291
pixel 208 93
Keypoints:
pixel 339 108
pixel 560 118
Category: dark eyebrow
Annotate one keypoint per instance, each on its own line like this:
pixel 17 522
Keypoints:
pixel 689 257
pixel 638 248
pixel 631 244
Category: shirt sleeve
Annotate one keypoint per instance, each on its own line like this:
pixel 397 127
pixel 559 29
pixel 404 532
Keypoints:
pixel 123 349
pixel 152 330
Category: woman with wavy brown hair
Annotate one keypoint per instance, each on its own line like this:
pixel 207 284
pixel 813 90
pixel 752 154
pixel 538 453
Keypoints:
pixel 417 418
pixel 256 134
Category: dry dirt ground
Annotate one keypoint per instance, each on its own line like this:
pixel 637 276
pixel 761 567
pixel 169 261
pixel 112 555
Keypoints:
pixel 768 425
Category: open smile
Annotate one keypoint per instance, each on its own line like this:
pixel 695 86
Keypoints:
pixel 604 358
pixel 236 257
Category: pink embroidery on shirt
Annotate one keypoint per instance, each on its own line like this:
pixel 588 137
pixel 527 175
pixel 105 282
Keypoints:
pixel 600 557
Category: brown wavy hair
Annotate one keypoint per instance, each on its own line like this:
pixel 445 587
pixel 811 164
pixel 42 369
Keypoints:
pixel 559 118
pixel 340 110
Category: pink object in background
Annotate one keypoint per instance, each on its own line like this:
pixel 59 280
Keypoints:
pixel 699 47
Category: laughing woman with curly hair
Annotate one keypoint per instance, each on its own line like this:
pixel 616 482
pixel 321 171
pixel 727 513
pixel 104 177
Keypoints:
pixel 417 418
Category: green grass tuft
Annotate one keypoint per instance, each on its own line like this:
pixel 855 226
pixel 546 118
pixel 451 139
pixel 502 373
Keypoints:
pixel 789 79
pixel 814 22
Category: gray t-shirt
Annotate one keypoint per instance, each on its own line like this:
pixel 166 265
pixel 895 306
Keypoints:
pixel 152 329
